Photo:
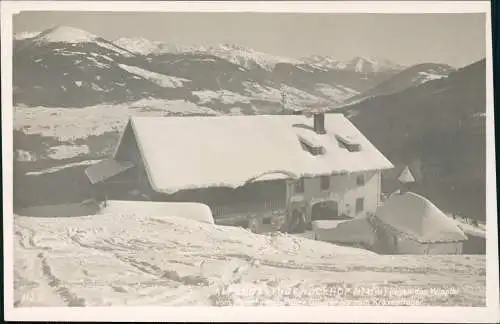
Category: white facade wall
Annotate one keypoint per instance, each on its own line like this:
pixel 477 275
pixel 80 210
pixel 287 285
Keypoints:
pixel 370 192
pixel 344 190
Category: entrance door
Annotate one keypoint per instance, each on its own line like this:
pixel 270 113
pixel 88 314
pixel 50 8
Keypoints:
pixel 297 222
pixel 325 210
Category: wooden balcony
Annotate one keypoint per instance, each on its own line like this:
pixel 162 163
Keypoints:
pixel 255 209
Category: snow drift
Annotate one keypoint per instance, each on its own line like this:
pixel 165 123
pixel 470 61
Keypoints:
pixel 194 211
pixel 131 259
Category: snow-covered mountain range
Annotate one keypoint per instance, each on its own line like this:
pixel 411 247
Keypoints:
pixel 356 64
pixel 236 54
pixel 247 57
pixel 144 46
pixel 69 67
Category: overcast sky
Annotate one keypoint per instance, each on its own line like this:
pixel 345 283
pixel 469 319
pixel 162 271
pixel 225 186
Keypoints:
pixel 456 39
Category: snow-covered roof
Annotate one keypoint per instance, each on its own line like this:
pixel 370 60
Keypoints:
pixel 310 138
pixel 471 230
pixel 194 211
pixel 406 176
pixel 106 169
pixel 196 152
pixel 419 219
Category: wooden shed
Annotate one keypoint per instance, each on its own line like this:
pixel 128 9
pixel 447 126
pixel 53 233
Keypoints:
pixel 408 223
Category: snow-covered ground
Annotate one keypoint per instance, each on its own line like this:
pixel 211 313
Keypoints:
pixel 299 97
pixel 295 98
pixel 25 156
pixel 62 167
pixel 61 152
pixel 162 80
pixel 427 76
pixel 258 91
pixel 132 259
pixel 68 124
pixel 337 93
pixel 64 128
pixel 224 96
pixel 293 95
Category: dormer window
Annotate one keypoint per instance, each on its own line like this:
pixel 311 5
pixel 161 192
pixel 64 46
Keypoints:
pixel 348 144
pixel 309 140
pixel 314 150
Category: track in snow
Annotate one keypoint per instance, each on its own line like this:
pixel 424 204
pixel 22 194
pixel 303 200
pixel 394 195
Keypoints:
pixel 149 260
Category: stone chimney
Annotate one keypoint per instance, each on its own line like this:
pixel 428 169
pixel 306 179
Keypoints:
pixel 319 123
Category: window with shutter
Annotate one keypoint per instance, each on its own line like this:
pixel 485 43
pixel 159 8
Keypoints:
pixel 360 180
pixel 360 205
pixel 325 183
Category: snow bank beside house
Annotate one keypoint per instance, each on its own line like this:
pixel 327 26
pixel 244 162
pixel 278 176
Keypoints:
pixel 194 211
pixel 135 259
pixel 417 217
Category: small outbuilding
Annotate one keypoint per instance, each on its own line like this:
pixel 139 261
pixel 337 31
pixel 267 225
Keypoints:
pixel 408 223
pixel 356 232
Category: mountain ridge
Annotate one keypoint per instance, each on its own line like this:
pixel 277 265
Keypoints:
pixel 61 57
pixel 412 76
pixel 438 128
